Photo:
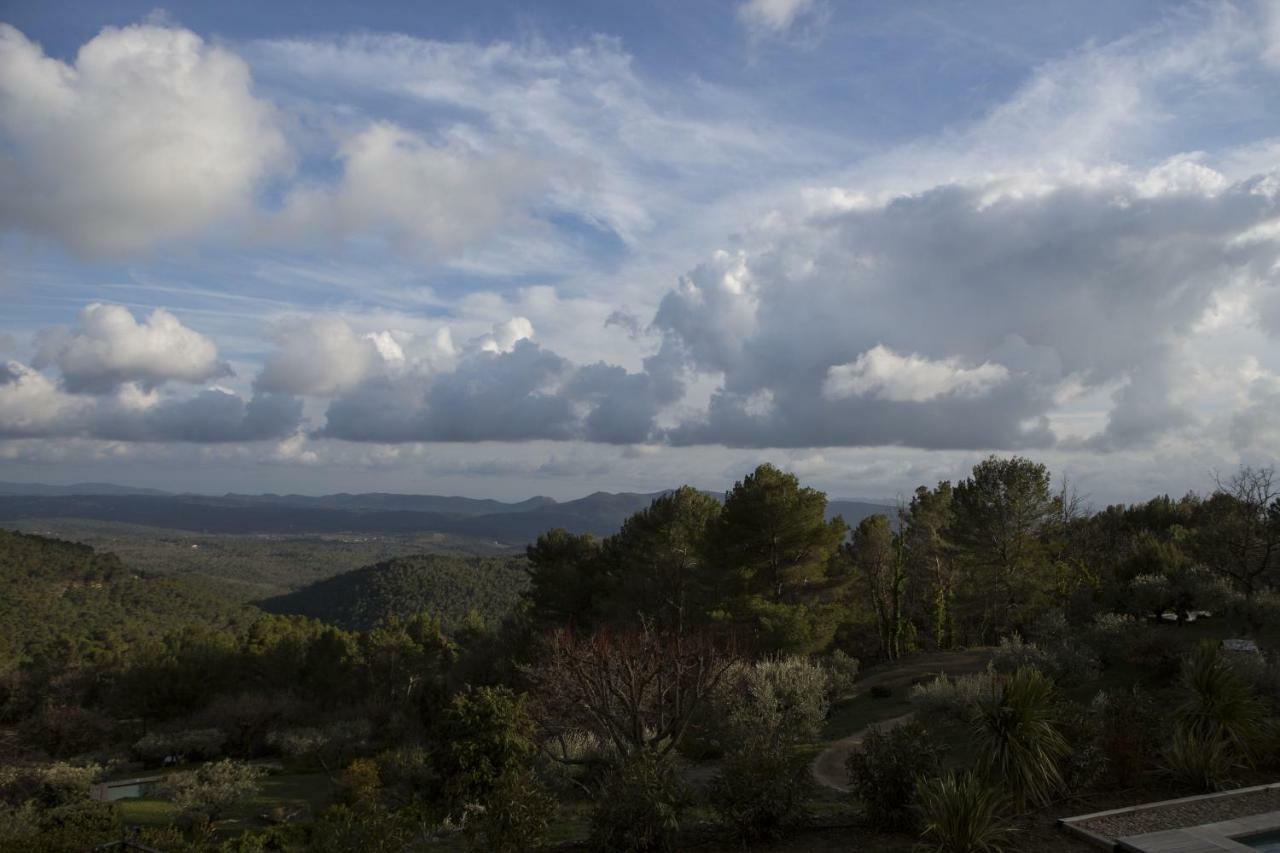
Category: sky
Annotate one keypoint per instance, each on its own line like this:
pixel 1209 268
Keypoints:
pixel 503 249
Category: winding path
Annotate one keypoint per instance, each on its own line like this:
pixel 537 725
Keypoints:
pixel 828 768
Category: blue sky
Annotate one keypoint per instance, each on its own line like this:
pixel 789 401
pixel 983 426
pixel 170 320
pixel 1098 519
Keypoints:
pixel 504 249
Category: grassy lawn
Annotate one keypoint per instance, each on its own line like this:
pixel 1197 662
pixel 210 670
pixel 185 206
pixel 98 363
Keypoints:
pixel 146 812
pixel 287 792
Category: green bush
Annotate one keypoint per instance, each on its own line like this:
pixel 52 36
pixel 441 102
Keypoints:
pixel 884 770
pixel 781 700
pixel 760 793
pixel 514 816
pixel 961 814
pixel 639 806
pixel 1219 704
pixel 945 698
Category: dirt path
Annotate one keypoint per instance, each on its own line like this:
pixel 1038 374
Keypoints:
pixel 828 768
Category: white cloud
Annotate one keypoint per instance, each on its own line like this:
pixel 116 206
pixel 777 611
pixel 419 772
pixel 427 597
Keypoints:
pixel 773 16
pixel 150 135
pixel 882 373
pixel 109 347
pixel 323 355
pixel 425 199
pixel 505 336
pixel 32 405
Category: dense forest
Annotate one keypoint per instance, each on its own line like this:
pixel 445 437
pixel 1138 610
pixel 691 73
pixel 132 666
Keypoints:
pixel 681 682
pixel 450 588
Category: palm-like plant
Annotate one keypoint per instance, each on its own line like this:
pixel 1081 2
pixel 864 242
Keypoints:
pixel 960 814
pixel 1219 706
pixel 1202 764
pixel 1019 745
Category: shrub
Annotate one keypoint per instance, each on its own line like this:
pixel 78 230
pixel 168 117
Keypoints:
pixel 186 745
pixel 760 792
pixel 207 793
pixel 1220 705
pixel 952 699
pixel 884 770
pixel 1126 725
pixel 1013 654
pixel 639 806
pixel 369 829
pixel 842 674
pixel 1204 764
pixel 514 816
pixel 782 700
pixel 1112 637
pixel 961 814
pixel 486 732
pixel 1018 741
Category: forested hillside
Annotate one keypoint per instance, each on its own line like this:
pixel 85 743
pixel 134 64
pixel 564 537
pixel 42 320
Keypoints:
pixel 446 587
pixel 68 601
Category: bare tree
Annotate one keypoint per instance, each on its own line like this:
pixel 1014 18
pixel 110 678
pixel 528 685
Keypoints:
pixel 635 689
pixel 1240 533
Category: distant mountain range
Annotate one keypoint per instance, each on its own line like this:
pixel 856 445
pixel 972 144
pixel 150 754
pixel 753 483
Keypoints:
pixel 512 524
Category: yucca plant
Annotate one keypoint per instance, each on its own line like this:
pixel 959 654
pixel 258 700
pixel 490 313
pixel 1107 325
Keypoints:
pixel 1205 764
pixel 1019 744
pixel 1220 706
pixel 961 814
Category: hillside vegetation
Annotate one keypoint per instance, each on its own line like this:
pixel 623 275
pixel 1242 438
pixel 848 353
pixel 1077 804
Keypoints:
pixel 67 600
pixel 446 587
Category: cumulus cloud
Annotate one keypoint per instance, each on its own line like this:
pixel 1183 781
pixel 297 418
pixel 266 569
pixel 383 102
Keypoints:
pixel 881 372
pixel 999 297
pixel 425 199
pixel 212 416
pixel 150 135
pixel 108 347
pixel 32 405
pixel 323 355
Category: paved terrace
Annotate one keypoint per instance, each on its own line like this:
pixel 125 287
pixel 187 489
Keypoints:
pixel 1206 824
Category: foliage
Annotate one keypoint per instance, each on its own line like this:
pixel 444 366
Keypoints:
pixel 449 587
pixel 842 674
pixel 775 700
pixel 884 771
pixel 961 814
pixel 639 806
pixel 368 828
pixel 1220 708
pixel 514 815
pixel 205 794
pixel 956 698
pixel 1126 727
pixel 1200 763
pixel 760 791
pixel 1001 513
pixel 485 734
pixel 1019 744
pixel 769 547
pixel 185 745
pixel 654 565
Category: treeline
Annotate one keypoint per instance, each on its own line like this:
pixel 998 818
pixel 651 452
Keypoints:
pixel 960 564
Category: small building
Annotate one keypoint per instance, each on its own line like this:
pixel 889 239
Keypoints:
pixel 123 789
